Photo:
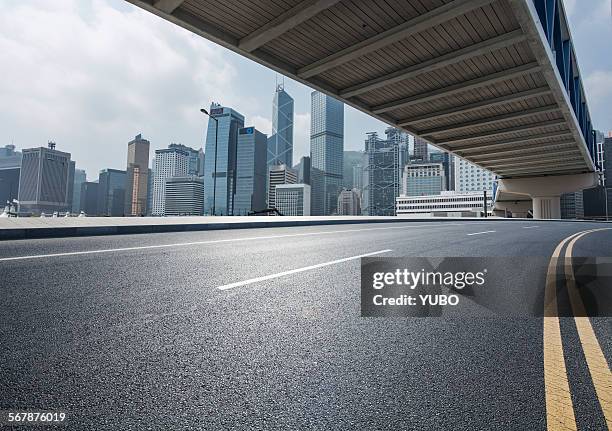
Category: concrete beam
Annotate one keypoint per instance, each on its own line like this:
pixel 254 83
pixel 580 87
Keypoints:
pixel 490 120
pixel 538 162
pixel 523 154
pixel 522 149
pixel 460 87
pixel 284 22
pixel 500 132
pixel 466 109
pixel 416 25
pixel 167 6
pixel 546 171
pixel 512 141
pixel 436 63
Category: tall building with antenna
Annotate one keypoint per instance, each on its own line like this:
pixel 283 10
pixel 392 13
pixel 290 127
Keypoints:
pixel 280 143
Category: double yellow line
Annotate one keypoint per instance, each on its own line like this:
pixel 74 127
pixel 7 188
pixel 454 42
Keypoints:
pixel 559 407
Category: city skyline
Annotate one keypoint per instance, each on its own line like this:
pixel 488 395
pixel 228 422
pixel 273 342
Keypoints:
pixel 110 101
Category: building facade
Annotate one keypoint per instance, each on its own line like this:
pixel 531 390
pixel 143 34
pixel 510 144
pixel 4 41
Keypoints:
pixel 280 143
pixel 89 198
pixel 383 161
pixel 80 176
pixel 220 183
pixel 184 196
pixel 137 177
pixel 293 199
pixel 45 180
pixel 10 167
pixel 349 202
pixel 423 179
pixel 326 152
pixel 251 168
pixel 111 192
pixel 472 178
pixel 445 204
pixel 420 150
pixel 278 175
pixel 173 161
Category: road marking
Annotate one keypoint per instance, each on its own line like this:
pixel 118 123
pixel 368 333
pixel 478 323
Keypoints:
pixel 295 271
pixel 218 241
pixel 481 233
pixel 559 407
pixel 595 359
pixel 530 227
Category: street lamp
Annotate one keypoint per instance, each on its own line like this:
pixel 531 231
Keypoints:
pixel 205 112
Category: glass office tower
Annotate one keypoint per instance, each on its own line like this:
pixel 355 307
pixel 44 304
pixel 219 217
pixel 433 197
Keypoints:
pixel 326 152
pixel 251 171
pixel 280 144
pixel 225 174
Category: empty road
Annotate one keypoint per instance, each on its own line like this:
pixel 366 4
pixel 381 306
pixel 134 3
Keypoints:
pixel 261 329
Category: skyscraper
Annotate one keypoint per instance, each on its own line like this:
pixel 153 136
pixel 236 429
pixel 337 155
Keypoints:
pixel 251 168
pixel 220 197
pixel 45 182
pixel 280 143
pixel 137 177
pixel 349 202
pixel 173 161
pixel 326 152
pixel 351 159
pixel 383 162
pixel 79 178
pixel 303 170
pixel 111 192
pixel 420 149
pixel 89 198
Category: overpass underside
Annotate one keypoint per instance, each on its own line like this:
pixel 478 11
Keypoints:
pixel 493 81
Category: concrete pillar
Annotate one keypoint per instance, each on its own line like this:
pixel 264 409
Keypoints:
pixel 547 207
pixel 546 191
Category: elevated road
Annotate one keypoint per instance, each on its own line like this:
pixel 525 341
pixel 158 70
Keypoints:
pixel 496 82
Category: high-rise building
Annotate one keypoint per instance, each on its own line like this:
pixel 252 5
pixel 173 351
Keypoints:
pixel 293 199
pixel 326 152
pixel 420 150
pixel 358 176
pixel 447 161
pixel 349 202
pixel 111 192
pixel 10 166
pixel 303 170
pixel 137 179
pixel 472 178
pixel 220 183
pixel 45 181
pixel 251 168
pixel 79 178
pixel 383 161
pixel 89 198
pixel 351 159
pixel 277 175
pixel 423 179
pixel 173 161
pixel 184 196
pixel 280 143
pixel 571 204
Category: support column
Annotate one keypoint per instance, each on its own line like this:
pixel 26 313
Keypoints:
pixel 547 207
pixel 546 191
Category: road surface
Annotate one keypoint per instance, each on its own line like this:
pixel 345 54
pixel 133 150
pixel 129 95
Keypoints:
pixel 134 332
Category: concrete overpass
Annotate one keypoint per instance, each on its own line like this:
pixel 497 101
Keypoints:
pixel 495 82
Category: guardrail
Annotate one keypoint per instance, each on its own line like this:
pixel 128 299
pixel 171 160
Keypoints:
pixel 554 23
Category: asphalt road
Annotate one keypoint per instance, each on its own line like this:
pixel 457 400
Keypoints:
pixel 141 337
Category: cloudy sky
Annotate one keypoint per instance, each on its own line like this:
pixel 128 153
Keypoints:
pixel 91 74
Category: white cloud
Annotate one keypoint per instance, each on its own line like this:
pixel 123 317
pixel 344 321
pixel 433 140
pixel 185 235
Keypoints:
pixel 599 90
pixel 92 79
